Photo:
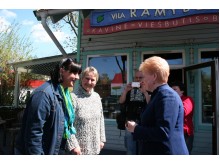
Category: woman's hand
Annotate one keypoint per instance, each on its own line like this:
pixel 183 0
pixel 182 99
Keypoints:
pixel 102 145
pixel 76 151
pixel 130 126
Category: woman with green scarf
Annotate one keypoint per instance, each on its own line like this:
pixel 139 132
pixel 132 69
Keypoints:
pixel 49 115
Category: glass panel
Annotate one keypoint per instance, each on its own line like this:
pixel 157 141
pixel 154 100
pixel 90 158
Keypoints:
pixel 172 58
pixel 209 56
pixel 206 95
pixel 204 92
pixel 112 77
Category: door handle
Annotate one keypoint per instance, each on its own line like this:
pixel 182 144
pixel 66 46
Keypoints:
pixel 213 118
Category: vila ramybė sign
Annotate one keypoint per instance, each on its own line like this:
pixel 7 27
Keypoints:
pixel 111 21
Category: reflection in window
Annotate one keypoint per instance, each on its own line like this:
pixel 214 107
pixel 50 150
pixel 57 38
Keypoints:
pixel 206 95
pixel 172 58
pixel 209 56
pixel 112 78
pixel 207 107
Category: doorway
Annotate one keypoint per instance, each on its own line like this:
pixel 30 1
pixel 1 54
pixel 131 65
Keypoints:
pixel 201 81
pixel 175 75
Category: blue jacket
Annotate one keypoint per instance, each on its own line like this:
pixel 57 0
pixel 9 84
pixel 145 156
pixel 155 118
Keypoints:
pixel 43 122
pixel 161 128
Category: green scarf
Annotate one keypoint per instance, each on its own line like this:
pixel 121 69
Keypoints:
pixel 68 112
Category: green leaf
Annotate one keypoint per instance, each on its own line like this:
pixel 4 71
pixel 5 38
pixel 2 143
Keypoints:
pixel 100 18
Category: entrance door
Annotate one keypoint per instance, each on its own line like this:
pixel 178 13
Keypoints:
pixel 201 81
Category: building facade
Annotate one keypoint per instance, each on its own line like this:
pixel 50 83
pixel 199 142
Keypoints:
pixel 117 41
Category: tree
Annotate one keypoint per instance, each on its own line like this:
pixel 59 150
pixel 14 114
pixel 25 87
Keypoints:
pixel 71 20
pixel 13 48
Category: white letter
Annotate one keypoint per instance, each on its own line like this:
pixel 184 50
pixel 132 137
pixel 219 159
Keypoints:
pixel 145 12
pixel 215 18
pixel 139 24
pixel 160 12
pixel 166 24
pixel 197 19
pixel 185 10
pixel 114 16
pixel 133 13
pixel 173 11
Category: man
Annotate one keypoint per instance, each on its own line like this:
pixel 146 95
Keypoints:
pixel 188 105
pixel 134 99
pixel 49 115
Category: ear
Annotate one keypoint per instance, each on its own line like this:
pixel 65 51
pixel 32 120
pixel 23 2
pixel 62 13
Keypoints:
pixel 181 92
pixel 61 71
pixel 155 76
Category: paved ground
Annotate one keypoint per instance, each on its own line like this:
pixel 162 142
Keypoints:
pixel 7 148
pixel 103 152
pixel 112 152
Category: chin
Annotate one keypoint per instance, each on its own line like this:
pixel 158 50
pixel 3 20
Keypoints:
pixel 71 85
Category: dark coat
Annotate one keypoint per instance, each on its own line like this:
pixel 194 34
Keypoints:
pixel 161 129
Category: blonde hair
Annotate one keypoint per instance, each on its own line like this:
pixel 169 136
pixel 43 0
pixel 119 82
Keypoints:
pixel 156 65
pixel 90 69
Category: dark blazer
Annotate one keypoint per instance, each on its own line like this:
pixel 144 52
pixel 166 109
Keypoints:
pixel 161 129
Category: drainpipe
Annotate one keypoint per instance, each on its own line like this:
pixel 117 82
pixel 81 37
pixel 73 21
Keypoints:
pixel 43 15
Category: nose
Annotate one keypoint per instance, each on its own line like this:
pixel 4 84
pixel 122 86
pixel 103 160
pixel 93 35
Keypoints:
pixel 77 76
pixel 89 81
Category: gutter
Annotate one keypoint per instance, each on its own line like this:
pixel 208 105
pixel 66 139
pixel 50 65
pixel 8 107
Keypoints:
pixel 42 16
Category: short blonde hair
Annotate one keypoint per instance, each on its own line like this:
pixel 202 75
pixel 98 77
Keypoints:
pixel 156 65
pixel 90 69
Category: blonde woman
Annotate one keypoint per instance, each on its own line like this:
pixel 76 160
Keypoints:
pixel 89 120
pixel 160 131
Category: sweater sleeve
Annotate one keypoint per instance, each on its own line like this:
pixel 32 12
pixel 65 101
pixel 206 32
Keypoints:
pixel 103 138
pixel 72 143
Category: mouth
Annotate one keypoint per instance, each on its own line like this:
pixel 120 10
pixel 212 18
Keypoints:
pixel 73 81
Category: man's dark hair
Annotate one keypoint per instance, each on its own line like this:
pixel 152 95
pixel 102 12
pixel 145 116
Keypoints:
pixel 179 84
pixel 67 64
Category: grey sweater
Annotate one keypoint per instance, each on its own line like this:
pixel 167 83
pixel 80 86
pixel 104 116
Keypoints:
pixel 89 122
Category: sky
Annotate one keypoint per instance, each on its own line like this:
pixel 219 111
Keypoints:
pixel 31 27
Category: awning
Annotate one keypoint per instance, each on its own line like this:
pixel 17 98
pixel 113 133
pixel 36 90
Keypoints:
pixel 41 66
pixel 34 83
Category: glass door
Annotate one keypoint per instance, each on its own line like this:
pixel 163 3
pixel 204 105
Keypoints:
pixel 201 81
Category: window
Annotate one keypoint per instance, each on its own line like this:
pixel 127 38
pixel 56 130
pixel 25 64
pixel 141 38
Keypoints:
pixel 175 59
pixel 209 56
pixel 206 86
pixel 172 58
pixel 112 78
